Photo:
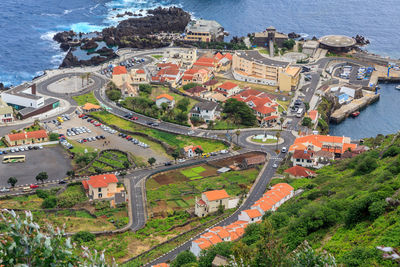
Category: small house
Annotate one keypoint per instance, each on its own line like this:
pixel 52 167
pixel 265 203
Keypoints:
pixel 299 171
pixel 165 98
pixel 190 151
pixel 103 186
pixel 210 202
pixel 208 111
pixel 253 161
pixel 26 138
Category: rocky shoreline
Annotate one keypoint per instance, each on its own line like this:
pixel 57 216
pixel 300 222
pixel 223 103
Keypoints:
pixel 138 32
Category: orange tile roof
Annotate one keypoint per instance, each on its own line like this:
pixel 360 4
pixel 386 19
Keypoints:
pixel 299 171
pixel 203 243
pixel 212 237
pixel 216 195
pixel 228 85
pixel 140 71
pixel 37 134
pixel 264 109
pixel 239 231
pixel 253 213
pixel 219 56
pixel 313 114
pixel 90 106
pixel 341 143
pixel 102 180
pixel 233 236
pixel 118 70
pixel 161 265
pixel 228 56
pixel 220 231
pixel 270 118
pixel 167 96
pixel 283 185
pixel 264 206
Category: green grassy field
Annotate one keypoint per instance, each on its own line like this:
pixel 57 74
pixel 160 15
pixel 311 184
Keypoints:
pixel 157 56
pixel 86 98
pixel 158 90
pixel 181 186
pixel 177 141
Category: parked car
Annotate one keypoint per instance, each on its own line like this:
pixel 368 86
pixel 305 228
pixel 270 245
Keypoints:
pixel 4 190
pixel 169 163
pixel 283 150
pixel 32 186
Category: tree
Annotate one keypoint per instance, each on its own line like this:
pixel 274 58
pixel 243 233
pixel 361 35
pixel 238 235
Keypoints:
pixel 239 112
pixel 183 104
pixel 221 209
pixel 49 202
pixel 281 120
pixel 237 132
pixel 83 236
pixel 189 86
pixel 53 136
pixel 198 151
pixel 42 176
pixel 12 181
pixel 307 122
pixel 70 173
pixel 151 161
pixel 184 257
pixel 307 106
pixel 164 107
pixel 114 94
pixel 25 243
pixel 82 76
pixel 87 75
pixel 175 154
pixel 304 255
pixel 289 43
pixel 145 88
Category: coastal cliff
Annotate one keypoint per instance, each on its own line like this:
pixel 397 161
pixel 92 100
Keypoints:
pixel 138 32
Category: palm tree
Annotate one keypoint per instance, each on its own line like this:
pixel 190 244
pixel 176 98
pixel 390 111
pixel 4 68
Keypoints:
pixel 281 120
pixel 278 135
pixel 87 75
pixel 237 136
pixel 82 76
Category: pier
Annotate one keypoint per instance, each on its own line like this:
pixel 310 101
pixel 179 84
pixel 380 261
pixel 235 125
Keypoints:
pixel 356 105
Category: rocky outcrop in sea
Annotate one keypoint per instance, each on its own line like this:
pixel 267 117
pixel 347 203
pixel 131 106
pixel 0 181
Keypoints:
pixel 137 32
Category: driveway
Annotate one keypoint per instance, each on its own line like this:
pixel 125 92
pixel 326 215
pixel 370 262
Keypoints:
pixel 53 160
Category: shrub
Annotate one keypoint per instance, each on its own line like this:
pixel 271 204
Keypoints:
pixel 184 257
pixel 360 256
pixel 391 152
pixel 42 193
pixel 190 85
pixel 83 236
pixel 49 203
pixel 53 136
pixel 365 166
pixel 114 95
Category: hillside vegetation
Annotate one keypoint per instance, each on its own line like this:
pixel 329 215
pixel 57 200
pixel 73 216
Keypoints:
pixel 348 210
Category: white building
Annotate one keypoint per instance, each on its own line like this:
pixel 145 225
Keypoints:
pixel 23 96
pixel 165 98
pixel 251 215
pixel 208 111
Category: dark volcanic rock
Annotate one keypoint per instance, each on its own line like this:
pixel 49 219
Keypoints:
pixel 294 35
pixel 361 40
pixel 137 32
pixel 91 44
pixel 127 13
pixel 3 88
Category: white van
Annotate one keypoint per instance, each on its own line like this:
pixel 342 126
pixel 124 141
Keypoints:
pixel 299 113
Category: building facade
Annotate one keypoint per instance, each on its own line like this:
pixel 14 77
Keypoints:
pixel 204 31
pixel 210 202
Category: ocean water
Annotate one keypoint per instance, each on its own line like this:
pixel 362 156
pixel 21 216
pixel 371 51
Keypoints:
pixel 27 26
pixel 378 118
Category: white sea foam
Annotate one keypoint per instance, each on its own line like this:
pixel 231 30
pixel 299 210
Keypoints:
pixel 85 27
pixel 56 60
pixel 48 36
pixel 304 35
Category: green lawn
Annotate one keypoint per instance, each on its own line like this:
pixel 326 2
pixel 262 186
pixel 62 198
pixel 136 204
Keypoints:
pixel 177 141
pixel 233 182
pixel 86 98
pixel 157 56
pixel 268 141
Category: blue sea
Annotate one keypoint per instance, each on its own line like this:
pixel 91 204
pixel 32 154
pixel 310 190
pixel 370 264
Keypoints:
pixel 27 26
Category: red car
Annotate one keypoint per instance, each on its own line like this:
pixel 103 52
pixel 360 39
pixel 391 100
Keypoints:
pixel 97 124
pixel 33 186
pixel 134 118
pixel 80 116
pixel 128 137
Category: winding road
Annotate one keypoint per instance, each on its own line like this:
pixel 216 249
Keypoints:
pixel 138 177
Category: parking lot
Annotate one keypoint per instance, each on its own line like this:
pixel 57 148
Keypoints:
pixel 100 137
pixel 53 160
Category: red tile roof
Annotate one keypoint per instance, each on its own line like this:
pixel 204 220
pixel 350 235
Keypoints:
pixel 228 85
pixel 299 171
pixel 140 71
pixel 211 82
pixel 212 237
pixel 85 184
pixel 201 202
pixel 119 70
pixel 270 118
pixel 216 195
pixel 302 154
pixel 219 56
pixel 102 180
pixel 16 136
pixel 264 110
pixel 37 134
pixel 161 265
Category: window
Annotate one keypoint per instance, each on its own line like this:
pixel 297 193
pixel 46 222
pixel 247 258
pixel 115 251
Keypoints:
pixel 100 195
pixel 99 190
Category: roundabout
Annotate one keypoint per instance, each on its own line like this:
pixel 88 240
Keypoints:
pixel 264 139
